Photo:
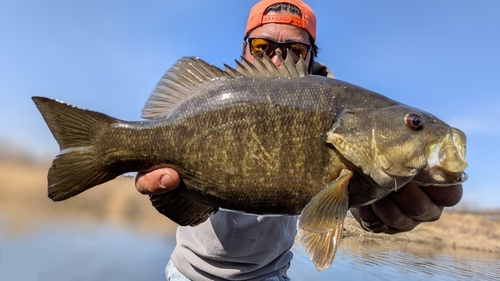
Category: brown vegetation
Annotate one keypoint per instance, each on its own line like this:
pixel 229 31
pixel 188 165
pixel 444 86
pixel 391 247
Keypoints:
pixel 24 203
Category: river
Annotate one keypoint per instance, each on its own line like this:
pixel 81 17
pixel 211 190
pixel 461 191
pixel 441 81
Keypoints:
pixel 103 251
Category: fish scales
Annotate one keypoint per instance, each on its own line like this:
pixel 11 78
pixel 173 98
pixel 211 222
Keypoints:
pixel 264 131
pixel 260 143
pixel 263 136
pixel 265 128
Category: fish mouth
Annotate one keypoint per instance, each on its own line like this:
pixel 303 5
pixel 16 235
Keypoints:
pixel 445 161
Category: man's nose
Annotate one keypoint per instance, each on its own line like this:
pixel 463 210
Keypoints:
pixel 275 58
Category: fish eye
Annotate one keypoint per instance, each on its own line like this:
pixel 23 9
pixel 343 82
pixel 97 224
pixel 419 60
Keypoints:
pixel 414 120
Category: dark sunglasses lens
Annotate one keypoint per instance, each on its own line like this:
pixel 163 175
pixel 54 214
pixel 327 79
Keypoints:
pixel 259 46
pixel 298 49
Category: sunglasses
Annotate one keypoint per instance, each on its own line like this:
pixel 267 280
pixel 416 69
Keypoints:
pixel 259 46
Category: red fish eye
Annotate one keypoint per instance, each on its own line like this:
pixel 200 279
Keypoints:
pixel 414 120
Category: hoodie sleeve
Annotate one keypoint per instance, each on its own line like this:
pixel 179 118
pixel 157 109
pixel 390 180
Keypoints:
pixel 322 70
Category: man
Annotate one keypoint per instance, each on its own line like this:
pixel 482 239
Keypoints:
pixel 234 246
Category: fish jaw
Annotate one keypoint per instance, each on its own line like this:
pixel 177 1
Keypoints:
pixel 445 161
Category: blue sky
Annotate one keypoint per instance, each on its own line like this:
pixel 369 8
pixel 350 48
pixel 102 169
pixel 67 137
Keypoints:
pixel 441 56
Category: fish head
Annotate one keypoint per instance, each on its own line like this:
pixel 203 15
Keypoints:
pixel 398 144
pixel 445 161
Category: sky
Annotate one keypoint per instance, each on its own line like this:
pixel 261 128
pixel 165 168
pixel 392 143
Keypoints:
pixel 441 56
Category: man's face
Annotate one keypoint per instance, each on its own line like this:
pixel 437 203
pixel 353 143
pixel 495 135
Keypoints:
pixel 279 33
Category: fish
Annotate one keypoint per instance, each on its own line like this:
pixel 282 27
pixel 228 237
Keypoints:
pixel 259 139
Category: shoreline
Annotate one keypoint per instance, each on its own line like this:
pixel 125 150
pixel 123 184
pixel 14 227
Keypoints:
pixel 453 231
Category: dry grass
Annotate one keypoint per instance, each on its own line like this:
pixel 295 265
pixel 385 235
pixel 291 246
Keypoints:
pixel 475 231
pixel 24 202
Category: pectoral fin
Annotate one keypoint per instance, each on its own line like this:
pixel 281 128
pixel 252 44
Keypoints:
pixel 321 221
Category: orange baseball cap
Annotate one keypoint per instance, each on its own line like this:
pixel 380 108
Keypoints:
pixel 257 17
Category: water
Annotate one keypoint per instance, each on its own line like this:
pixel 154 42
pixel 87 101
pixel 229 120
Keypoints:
pixel 103 252
pixel 357 260
pixel 78 253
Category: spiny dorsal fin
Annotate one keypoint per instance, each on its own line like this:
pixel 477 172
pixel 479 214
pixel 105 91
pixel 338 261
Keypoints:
pixel 265 67
pixel 179 82
pixel 185 78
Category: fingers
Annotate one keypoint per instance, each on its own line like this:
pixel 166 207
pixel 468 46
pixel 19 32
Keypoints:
pixel 444 196
pixel 404 209
pixel 416 204
pixel 387 212
pixel 157 181
pixel 391 213
pixel 364 213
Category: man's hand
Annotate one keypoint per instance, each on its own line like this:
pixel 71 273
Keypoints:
pixel 407 207
pixel 160 181
pixel 157 181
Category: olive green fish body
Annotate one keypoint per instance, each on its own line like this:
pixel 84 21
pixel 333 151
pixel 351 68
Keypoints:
pixel 246 146
pixel 259 139
pixel 259 154
pixel 251 147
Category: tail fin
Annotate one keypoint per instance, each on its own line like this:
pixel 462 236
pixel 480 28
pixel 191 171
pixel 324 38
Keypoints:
pixel 76 168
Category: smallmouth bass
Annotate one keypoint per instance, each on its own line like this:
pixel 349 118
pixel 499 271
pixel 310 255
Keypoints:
pixel 259 139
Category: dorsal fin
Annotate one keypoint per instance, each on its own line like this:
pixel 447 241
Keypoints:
pixel 265 67
pixel 186 76
pixel 179 82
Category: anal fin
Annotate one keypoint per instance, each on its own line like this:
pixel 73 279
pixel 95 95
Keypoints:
pixel 320 223
pixel 182 206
